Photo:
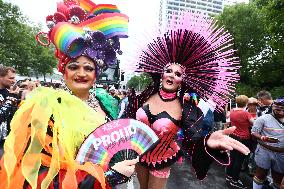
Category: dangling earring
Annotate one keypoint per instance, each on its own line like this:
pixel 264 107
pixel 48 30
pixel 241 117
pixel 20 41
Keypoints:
pixel 64 86
pixel 178 91
pixel 161 83
pixel 93 89
pixel 62 81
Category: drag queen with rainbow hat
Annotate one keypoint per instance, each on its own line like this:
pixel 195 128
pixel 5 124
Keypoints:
pixel 193 56
pixel 50 126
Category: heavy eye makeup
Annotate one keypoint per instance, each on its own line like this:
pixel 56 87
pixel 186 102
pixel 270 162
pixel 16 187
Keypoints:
pixel 178 74
pixel 75 66
pixel 168 70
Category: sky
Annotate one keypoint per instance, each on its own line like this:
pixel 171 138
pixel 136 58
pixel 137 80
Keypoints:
pixel 137 10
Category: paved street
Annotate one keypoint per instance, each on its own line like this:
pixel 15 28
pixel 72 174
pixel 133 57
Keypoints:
pixel 182 177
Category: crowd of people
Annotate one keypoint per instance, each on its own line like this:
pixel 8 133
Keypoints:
pixel 258 121
pixel 259 126
pixel 42 128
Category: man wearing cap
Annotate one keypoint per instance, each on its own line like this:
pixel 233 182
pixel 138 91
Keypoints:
pixel 269 154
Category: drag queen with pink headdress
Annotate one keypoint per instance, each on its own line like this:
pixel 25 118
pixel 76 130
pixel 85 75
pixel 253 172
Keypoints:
pixel 195 56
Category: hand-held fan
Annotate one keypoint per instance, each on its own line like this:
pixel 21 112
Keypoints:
pixel 116 141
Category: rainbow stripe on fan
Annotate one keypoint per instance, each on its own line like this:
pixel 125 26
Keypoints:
pixel 103 157
pixel 138 147
pixel 87 5
pixel 104 8
pixel 69 38
pixel 140 141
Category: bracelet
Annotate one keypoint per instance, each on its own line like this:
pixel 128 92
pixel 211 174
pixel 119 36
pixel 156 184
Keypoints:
pixel 114 178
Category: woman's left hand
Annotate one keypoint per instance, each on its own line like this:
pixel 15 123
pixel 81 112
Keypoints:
pixel 221 140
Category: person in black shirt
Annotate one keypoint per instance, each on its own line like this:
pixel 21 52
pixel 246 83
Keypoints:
pixel 8 100
pixel 219 119
pixel 264 101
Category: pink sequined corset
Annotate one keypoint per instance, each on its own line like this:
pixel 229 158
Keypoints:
pixel 167 151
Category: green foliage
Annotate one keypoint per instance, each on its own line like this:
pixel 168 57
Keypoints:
pixel 133 82
pixel 274 15
pixel 277 92
pixel 18 47
pixel 248 90
pixel 246 25
pixel 258 29
pixel 139 82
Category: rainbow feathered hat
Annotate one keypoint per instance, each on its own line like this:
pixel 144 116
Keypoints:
pixel 80 27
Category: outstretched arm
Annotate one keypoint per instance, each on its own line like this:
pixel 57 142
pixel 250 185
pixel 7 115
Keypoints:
pixel 220 140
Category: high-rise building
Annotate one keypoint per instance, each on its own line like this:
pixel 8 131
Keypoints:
pixel 171 9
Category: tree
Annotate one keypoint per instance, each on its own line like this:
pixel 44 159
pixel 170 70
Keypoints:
pixel 42 60
pixel 11 33
pixel 145 80
pixel 257 29
pixel 18 47
pixel 245 24
pixel 139 82
pixel 273 11
pixel 133 82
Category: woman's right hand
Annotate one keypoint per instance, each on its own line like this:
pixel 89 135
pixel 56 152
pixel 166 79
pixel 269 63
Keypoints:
pixel 126 167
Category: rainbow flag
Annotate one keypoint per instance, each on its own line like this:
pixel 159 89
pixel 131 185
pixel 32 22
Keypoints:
pixel 104 8
pixel 87 5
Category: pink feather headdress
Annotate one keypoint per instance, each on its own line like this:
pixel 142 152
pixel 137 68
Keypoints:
pixel 203 48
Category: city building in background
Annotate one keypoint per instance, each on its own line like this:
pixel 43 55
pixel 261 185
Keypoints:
pixel 172 9
pixel 110 77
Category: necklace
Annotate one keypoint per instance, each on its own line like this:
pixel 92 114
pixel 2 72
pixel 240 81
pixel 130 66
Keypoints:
pixel 92 101
pixel 167 96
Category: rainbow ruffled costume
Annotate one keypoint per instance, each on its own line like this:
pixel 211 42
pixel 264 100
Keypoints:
pixel 49 127
pixel 48 111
